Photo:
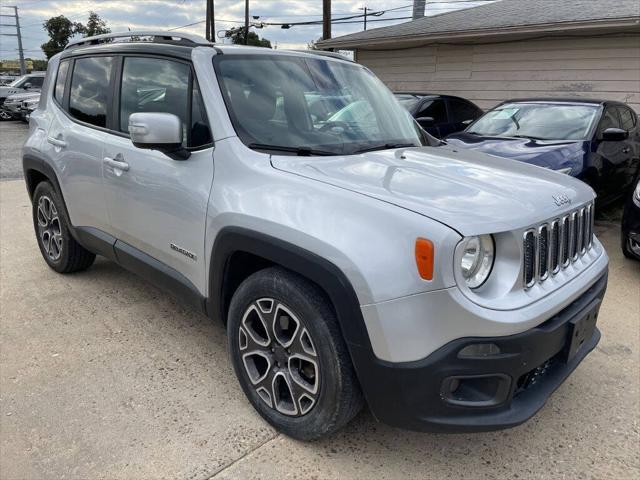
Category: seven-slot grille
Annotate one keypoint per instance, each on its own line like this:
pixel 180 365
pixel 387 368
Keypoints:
pixel 554 245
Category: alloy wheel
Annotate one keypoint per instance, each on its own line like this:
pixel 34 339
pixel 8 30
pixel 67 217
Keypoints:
pixel 49 229
pixel 279 357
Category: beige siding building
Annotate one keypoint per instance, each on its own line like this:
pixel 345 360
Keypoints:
pixel 511 49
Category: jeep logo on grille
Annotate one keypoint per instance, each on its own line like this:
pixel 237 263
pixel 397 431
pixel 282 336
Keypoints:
pixel 561 200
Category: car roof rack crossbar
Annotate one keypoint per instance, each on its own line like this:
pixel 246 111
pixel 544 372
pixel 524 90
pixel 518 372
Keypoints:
pixel 175 38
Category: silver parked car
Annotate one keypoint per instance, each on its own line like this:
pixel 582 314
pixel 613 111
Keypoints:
pixel 351 258
pixel 29 83
pixel 11 109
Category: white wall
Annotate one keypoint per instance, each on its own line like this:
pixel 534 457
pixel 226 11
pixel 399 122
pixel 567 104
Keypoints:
pixel 606 67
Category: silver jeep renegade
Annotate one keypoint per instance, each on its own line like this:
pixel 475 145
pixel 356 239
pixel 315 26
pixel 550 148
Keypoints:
pixel 351 257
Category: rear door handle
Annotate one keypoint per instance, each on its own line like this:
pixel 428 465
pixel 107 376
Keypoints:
pixel 119 164
pixel 57 142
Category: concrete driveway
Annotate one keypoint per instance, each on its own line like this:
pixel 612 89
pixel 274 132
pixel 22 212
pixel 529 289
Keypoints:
pixel 104 376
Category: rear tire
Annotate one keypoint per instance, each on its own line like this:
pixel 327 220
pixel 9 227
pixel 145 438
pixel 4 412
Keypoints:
pixel 58 247
pixel 289 355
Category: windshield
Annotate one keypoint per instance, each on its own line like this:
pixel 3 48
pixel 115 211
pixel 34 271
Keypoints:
pixel 18 81
pixel 299 105
pixel 537 120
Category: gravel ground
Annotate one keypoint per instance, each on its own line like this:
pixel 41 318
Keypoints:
pixel 104 376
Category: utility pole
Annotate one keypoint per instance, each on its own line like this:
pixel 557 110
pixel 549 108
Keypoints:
pixel 211 22
pixel 23 68
pixel 326 19
pixel 365 16
pixel 246 22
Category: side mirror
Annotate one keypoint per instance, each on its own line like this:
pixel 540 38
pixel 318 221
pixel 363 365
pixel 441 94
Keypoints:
pixel 614 135
pixel 427 120
pixel 27 86
pixel 158 131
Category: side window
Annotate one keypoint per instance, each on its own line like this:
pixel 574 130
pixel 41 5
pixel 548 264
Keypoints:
pixel 462 111
pixel 89 87
pixel 161 85
pixel 36 82
pixel 61 80
pixel 609 119
pixel 435 109
pixel 627 117
pixel 153 85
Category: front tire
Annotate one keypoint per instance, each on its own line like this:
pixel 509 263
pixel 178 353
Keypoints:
pixel 289 355
pixel 58 247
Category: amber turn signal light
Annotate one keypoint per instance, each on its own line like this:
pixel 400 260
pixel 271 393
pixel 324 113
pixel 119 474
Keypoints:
pixel 424 258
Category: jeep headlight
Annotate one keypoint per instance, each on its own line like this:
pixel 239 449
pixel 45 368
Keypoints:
pixel 477 259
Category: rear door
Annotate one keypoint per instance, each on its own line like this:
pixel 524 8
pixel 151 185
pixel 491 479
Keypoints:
pixel 157 205
pixel 75 138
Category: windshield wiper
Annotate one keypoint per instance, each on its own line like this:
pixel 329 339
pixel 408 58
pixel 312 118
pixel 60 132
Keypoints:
pixel 530 137
pixel 300 151
pixel 386 146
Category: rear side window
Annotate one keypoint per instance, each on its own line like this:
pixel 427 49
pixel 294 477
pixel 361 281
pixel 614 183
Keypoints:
pixel 61 80
pixel 89 90
pixel 161 85
pixel 462 111
pixel 36 82
pixel 627 117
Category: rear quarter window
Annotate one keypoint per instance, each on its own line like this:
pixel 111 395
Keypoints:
pixel 61 79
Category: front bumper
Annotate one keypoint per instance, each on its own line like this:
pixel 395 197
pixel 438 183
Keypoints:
pixel 498 391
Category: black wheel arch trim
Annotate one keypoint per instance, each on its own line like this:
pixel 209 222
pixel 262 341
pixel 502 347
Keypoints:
pixel 315 268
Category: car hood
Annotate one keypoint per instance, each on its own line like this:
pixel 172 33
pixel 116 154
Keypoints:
pixel 468 191
pixel 22 96
pixel 555 155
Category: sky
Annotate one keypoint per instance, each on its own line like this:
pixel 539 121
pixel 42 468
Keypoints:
pixel 164 14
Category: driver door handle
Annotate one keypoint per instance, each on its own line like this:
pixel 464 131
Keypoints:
pixel 119 164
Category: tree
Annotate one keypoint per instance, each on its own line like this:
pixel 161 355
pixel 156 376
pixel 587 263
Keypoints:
pixel 313 44
pixel 236 35
pixel 60 30
pixel 95 26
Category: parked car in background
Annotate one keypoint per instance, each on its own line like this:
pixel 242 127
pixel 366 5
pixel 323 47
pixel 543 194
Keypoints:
pixel 29 82
pixel 11 108
pixel 631 225
pixel 440 115
pixel 597 141
pixel 27 106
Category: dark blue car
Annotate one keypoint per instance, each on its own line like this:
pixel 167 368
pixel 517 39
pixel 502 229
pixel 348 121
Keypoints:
pixel 594 140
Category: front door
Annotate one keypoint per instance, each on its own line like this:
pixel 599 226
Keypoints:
pixel 157 205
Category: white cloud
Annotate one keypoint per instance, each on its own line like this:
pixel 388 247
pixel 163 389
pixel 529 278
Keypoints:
pixel 164 14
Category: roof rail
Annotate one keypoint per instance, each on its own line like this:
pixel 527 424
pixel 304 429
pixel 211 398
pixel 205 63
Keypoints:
pixel 158 37
pixel 324 53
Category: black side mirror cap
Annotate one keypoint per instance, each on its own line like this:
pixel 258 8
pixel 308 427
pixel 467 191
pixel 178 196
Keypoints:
pixel 614 135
